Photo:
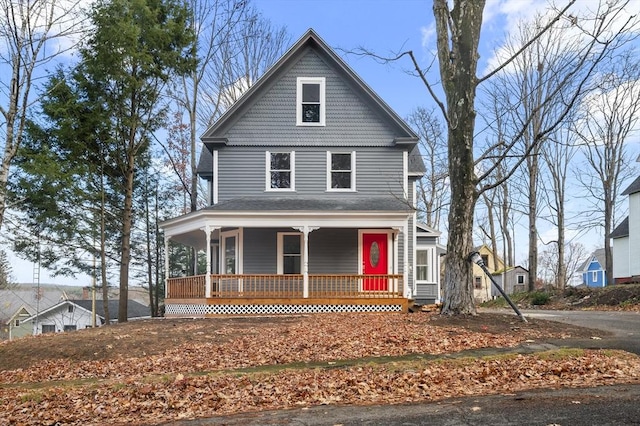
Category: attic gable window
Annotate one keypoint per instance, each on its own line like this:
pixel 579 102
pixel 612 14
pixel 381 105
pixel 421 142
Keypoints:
pixel 280 168
pixel 310 102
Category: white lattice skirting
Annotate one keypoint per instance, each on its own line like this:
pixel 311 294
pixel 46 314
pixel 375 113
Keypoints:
pixel 180 309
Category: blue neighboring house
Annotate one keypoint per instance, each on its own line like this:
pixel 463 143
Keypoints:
pixel 593 270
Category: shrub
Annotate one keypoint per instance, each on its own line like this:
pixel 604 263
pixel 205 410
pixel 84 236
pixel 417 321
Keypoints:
pixel 539 298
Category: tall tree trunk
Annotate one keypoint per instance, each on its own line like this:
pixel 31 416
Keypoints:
pixel 458 64
pixel 608 227
pixel 562 266
pixel 127 221
pixel 148 236
pixel 103 250
pixel 532 215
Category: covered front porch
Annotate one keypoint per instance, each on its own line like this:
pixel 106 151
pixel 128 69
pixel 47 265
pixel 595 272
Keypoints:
pixel 271 294
pixel 291 262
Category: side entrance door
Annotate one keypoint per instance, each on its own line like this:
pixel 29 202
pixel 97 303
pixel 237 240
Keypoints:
pixel 375 261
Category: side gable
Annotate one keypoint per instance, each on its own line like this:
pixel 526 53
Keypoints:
pixel 633 188
pixel 622 230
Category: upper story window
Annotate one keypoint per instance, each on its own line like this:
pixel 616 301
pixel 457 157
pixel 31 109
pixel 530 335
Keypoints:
pixel 280 171
pixel 310 103
pixel 341 171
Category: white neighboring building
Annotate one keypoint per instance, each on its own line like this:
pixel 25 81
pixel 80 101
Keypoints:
pixel 626 240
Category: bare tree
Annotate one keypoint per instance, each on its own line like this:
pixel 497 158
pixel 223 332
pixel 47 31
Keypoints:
pixel 432 191
pixel 32 34
pixel 458 32
pixel 574 255
pixel 543 72
pixel 610 115
pixel 557 157
pixel 234 46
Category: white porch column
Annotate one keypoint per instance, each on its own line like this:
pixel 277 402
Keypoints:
pixel 405 256
pixel 166 265
pixel 207 278
pixel 396 260
pixel 305 258
pixel 208 230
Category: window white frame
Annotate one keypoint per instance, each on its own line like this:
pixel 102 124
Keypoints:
pixel 428 265
pixel 594 276
pixel 237 233
pixel 310 80
pixel 292 170
pixel 520 279
pixel 280 250
pixel 352 171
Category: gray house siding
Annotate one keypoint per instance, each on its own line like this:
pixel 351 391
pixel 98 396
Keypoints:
pixel 271 119
pixel 260 250
pixel 242 173
pixel 331 250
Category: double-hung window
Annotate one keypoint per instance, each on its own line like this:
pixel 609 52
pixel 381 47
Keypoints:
pixel 280 168
pixel 341 171
pixel 289 253
pixel 422 265
pixel 310 101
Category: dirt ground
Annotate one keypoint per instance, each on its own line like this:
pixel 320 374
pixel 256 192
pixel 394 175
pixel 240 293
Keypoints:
pixel 139 339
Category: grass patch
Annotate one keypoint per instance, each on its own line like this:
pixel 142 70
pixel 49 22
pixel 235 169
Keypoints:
pixel 563 353
pixel 35 397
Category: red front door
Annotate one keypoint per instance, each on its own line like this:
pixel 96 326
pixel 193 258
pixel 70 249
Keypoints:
pixel 374 261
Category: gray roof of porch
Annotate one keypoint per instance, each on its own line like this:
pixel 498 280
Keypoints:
pixel 312 204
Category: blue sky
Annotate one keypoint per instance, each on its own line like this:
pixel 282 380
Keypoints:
pixel 382 26
pixel 385 27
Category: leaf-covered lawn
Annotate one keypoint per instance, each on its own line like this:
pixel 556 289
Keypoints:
pixel 226 366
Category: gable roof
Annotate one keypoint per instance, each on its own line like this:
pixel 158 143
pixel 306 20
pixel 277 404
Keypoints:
pixel 214 134
pixel 311 204
pixel 622 230
pixel 633 188
pixel 14 299
pixel 597 255
pixel 134 309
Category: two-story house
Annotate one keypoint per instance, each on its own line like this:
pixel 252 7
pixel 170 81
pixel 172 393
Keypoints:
pixel 311 186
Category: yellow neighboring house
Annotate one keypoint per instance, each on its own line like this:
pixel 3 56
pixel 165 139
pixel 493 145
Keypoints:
pixel 481 282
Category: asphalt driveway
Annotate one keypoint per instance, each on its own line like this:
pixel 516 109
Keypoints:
pixel 623 326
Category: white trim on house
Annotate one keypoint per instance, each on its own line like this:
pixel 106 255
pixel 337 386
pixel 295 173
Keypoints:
pixel 405 175
pixel 352 171
pixel 238 265
pixel 292 171
pixel 392 253
pixel 216 190
pixel 280 250
pixel 310 80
